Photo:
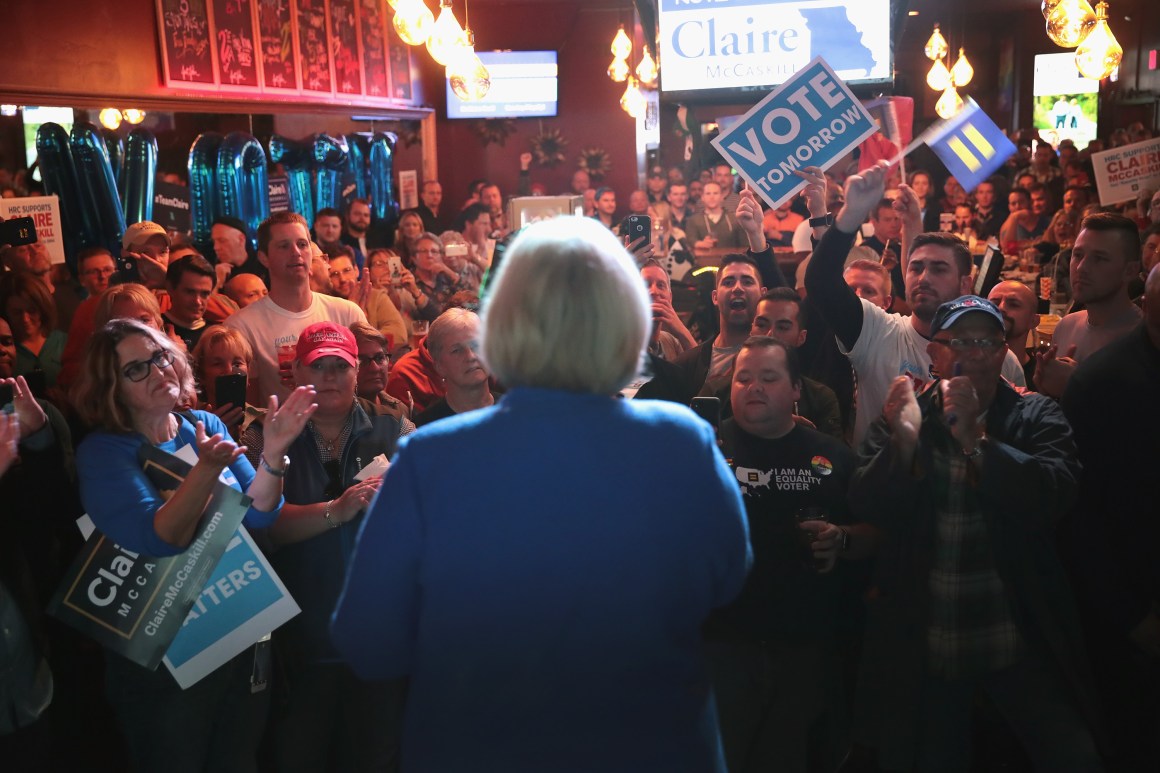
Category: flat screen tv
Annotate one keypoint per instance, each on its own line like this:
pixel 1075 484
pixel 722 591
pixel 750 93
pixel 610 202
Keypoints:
pixel 712 50
pixel 523 85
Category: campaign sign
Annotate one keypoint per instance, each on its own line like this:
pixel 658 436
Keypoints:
pixel 1121 173
pixel 242 602
pixel 45 214
pixel 171 207
pixel 136 604
pixel 813 119
pixel 279 192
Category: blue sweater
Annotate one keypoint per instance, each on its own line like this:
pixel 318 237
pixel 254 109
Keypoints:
pixel 122 501
pixel 535 572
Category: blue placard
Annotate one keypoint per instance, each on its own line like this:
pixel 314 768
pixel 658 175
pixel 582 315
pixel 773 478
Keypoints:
pixel 813 119
pixel 971 146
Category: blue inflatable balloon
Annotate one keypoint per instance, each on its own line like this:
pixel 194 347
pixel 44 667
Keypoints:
pixel 329 159
pixel 296 158
pixel 98 187
pixel 116 147
pixel 138 175
pixel 384 207
pixel 59 175
pixel 357 173
pixel 242 182
pixel 203 187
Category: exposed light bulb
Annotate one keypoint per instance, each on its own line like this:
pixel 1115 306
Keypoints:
pixel 1070 22
pixel 646 70
pixel 962 72
pixel 133 115
pixel 621 45
pixel 446 35
pixel 949 104
pixel 469 79
pixel 618 70
pixel 413 21
pixel 936 46
pixel 633 102
pixel 1099 53
pixel 1047 6
pixel 110 117
pixel 939 76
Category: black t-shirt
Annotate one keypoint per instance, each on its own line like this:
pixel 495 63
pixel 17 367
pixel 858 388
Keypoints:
pixel 189 335
pixel 784 594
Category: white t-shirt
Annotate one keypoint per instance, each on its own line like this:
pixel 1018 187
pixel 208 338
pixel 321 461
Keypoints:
pixel 268 326
pixel 801 237
pixel 890 347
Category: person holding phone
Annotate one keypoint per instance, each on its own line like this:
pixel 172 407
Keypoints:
pixel 221 366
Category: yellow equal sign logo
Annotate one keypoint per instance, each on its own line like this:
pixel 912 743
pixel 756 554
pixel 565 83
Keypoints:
pixel 968 155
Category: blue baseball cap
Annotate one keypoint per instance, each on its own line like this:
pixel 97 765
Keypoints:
pixel 951 311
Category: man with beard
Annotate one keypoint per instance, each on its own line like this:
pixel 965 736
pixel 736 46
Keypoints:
pixel 884 346
pixel 358 223
pixel 1018 305
pixel 1104 260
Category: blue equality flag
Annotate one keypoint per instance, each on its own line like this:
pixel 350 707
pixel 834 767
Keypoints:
pixel 970 145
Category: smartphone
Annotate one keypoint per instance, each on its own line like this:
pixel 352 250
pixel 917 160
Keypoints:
pixel 455 250
pixel 7 394
pixel 230 389
pixel 395 265
pixel 636 226
pixel 37 383
pixel 18 231
pixel 708 408
pixel 127 269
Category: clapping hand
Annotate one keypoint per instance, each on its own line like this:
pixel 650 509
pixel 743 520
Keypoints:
pixel 285 423
pixel 216 452
pixel 355 499
pixel 31 415
pixel 902 413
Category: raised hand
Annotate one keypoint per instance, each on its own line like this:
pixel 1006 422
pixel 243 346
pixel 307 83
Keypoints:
pixel 815 190
pixel 640 249
pixel 902 413
pixel 863 192
pixel 27 409
pixel 285 423
pixel 1053 371
pixel 961 401
pixel 9 438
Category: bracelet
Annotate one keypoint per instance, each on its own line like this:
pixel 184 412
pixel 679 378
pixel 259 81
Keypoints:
pixel 822 221
pixel 978 449
pixel 276 473
pixel 330 522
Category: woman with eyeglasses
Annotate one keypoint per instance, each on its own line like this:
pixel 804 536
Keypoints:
pixel 432 276
pixel 130 389
pixel 330 719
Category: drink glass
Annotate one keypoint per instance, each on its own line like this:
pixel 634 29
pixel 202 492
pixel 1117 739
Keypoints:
pixel 810 520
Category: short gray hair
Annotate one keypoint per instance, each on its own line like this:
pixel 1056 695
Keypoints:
pixel 567 310
pixel 442 326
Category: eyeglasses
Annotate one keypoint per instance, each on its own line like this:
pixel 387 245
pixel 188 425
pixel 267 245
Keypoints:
pixel 965 344
pixel 429 252
pixel 139 370
pixel 377 359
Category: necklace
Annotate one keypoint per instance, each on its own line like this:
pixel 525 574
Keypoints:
pixel 329 444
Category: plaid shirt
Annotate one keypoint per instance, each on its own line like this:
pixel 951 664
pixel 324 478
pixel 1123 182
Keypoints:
pixel 970 629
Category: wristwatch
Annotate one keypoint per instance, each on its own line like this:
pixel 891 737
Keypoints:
pixel 276 473
pixel 820 222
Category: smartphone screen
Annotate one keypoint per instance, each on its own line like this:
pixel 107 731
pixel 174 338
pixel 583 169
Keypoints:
pixel 18 231
pixel 230 389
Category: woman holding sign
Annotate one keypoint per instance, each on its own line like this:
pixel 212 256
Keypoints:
pixel 132 387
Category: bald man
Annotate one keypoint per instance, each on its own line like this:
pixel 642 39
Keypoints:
pixel 244 289
pixel 1020 310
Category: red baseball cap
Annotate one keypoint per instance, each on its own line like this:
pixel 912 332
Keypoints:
pixel 326 339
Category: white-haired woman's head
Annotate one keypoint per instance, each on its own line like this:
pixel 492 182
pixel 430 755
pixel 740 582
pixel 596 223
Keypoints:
pixel 567 310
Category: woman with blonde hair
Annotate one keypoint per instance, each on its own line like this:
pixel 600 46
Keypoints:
pixel 547 606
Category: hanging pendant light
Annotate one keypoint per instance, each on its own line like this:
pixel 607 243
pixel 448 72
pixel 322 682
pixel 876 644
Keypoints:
pixel 467 74
pixel 646 70
pixel 133 115
pixel 618 70
pixel 939 76
pixel 413 21
pixel 621 45
pixel 633 102
pixel 936 46
pixel 962 72
pixel 949 104
pixel 446 35
pixel 1047 6
pixel 1099 53
pixel 1070 22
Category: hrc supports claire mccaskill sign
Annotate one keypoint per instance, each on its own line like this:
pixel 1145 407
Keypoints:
pixel 813 119
pixel 135 604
